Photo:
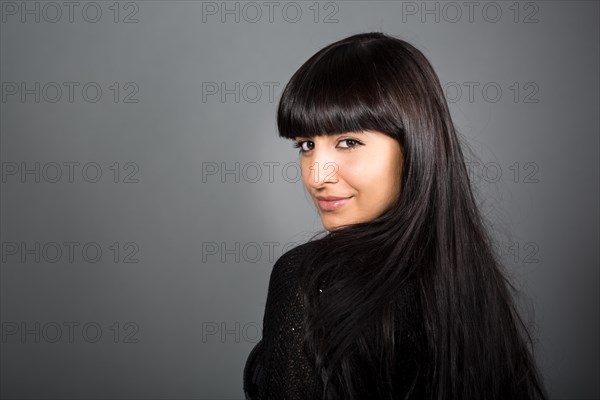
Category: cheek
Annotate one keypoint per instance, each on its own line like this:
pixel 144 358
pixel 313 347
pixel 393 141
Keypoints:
pixel 375 179
pixel 368 173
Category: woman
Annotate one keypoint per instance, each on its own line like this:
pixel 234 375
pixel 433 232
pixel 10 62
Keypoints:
pixel 404 297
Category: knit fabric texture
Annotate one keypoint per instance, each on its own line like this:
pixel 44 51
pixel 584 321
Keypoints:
pixel 277 368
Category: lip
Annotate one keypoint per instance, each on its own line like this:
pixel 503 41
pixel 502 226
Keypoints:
pixel 332 198
pixel 331 203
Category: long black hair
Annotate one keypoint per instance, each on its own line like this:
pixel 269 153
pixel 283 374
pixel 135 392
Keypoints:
pixel 476 345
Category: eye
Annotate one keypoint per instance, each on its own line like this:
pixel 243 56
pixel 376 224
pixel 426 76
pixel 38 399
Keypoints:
pixel 303 149
pixel 350 143
pixel 307 145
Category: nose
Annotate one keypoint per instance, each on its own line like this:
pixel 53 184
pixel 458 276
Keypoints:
pixel 322 169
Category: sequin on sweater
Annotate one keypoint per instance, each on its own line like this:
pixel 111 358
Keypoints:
pixel 277 367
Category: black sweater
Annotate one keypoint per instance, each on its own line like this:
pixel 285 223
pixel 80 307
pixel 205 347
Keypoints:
pixel 277 367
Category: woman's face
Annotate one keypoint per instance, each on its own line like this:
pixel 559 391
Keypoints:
pixel 351 177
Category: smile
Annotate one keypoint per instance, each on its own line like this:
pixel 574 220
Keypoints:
pixel 332 205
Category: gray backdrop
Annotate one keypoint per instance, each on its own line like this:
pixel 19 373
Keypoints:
pixel 145 195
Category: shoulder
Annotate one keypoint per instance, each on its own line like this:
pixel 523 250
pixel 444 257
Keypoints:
pixel 300 249
pixel 284 304
pixel 288 372
pixel 289 261
pixel 284 282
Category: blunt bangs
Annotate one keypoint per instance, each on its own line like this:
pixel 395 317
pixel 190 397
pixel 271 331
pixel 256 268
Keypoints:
pixel 343 88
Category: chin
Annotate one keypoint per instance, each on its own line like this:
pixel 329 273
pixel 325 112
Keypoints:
pixel 328 227
pixel 331 226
